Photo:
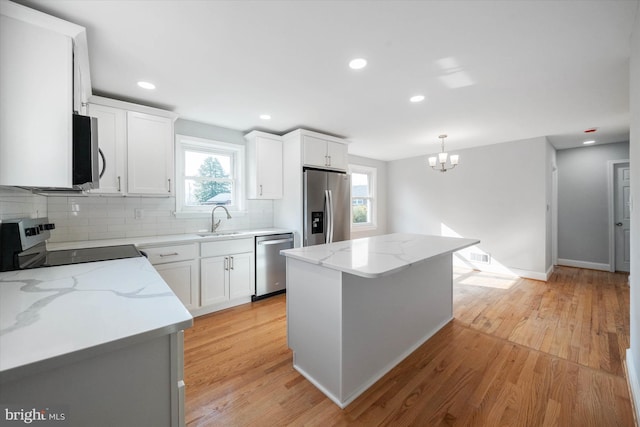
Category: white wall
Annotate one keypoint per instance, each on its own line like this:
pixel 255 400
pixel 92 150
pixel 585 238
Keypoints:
pixel 583 204
pixel 633 357
pixel 381 195
pixel 18 203
pixel 497 194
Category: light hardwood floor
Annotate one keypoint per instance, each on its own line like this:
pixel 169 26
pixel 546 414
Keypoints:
pixel 518 353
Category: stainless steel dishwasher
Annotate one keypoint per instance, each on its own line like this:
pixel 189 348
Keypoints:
pixel 271 271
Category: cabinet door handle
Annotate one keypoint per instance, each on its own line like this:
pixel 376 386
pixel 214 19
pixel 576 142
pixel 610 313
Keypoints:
pixel 231 263
pixel 169 184
pixel 329 160
pixel 326 162
pixel 171 254
pixel 261 189
pixel 104 163
pixel 226 263
pixel 118 184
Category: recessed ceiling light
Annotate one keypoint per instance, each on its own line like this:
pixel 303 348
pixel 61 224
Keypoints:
pixel 265 116
pixel 358 63
pixel 146 85
pixel 417 98
pixel 589 142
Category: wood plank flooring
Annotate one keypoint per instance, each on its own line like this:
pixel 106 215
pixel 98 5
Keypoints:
pixel 519 353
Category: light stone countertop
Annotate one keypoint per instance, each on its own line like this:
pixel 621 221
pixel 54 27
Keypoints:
pixel 378 256
pixel 52 316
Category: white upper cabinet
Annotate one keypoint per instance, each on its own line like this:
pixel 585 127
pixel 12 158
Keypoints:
pixel 137 145
pixel 112 140
pixel 264 165
pixel 36 102
pixel 149 154
pixel 338 155
pixel 324 152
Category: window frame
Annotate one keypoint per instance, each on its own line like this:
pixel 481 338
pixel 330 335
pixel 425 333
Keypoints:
pixel 235 151
pixel 372 172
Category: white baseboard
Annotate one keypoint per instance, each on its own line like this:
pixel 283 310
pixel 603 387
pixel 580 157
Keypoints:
pixel 583 264
pixel 634 384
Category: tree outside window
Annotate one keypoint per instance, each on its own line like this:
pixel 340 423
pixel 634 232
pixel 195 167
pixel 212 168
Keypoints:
pixel 207 174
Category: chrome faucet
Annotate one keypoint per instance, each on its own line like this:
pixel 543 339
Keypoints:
pixel 215 225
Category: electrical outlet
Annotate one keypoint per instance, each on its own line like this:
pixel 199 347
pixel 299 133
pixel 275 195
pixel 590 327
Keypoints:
pixel 138 213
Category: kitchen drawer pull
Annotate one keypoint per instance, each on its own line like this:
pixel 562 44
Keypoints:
pixel 171 254
pixel 274 242
pixel 118 184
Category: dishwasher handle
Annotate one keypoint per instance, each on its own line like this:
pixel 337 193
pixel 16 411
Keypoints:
pixel 274 242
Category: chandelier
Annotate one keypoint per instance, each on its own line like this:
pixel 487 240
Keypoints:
pixel 442 159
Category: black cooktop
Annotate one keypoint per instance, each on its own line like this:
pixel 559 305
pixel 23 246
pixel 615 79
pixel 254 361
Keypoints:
pixel 77 256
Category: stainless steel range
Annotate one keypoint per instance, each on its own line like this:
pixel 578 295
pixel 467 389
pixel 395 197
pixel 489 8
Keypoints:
pixel 23 245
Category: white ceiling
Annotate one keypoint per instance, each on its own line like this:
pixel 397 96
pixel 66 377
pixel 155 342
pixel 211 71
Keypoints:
pixel 491 71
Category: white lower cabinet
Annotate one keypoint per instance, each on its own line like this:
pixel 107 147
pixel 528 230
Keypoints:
pixel 179 267
pixel 182 278
pixel 215 280
pixel 226 272
pixel 207 276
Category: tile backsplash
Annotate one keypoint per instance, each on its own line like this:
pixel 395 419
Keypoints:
pixel 95 217
pixel 18 203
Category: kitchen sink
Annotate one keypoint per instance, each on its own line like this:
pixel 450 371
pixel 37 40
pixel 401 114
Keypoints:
pixel 218 233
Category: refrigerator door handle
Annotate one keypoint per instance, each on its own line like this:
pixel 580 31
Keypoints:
pixel 327 214
pixel 330 216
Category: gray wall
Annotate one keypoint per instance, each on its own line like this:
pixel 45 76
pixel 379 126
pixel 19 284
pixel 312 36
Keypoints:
pixel 206 131
pixel 497 194
pixel 583 204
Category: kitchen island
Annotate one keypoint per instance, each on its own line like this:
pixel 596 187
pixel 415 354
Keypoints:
pixel 97 344
pixel 356 308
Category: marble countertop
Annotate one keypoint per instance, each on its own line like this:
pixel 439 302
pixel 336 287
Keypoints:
pixel 379 255
pixel 55 315
pixel 167 239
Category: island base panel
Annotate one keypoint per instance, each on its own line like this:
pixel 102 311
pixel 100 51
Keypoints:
pixel 314 316
pixel 131 386
pixel 348 331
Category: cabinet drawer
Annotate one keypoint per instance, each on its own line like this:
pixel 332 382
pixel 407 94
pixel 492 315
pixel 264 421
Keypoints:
pixel 226 247
pixel 162 254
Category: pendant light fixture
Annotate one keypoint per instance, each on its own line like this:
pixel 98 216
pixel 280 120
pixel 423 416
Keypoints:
pixel 441 160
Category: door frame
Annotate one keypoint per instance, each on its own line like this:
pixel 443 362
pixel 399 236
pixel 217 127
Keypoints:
pixel 611 166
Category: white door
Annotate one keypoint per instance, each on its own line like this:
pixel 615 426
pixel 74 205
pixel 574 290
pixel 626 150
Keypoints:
pixel 112 140
pixel 182 278
pixel 241 275
pixel 337 153
pixel 314 151
pixel 214 280
pixel 269 165
pixel 622 181
pixel 149 154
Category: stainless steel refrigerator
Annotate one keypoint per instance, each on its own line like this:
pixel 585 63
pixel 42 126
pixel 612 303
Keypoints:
pixel 327 207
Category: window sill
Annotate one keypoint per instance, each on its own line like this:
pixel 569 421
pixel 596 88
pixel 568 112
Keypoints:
pixel 204 214
pixel 363 227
